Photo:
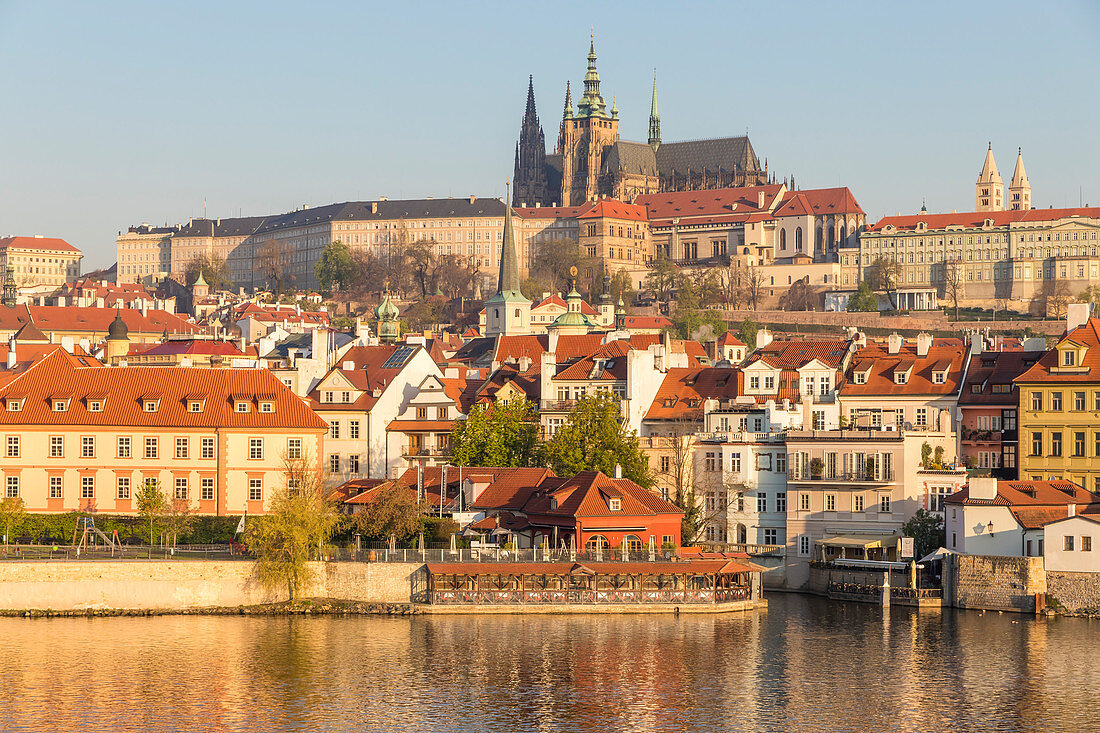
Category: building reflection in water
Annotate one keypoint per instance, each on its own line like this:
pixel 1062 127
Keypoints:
pixel 802 664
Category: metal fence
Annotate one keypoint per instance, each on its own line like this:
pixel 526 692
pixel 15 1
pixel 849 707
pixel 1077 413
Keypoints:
pixel 496 554
pixel 126 552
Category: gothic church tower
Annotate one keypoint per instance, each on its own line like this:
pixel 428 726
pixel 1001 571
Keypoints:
pixel 584 138
pixel 990 189
pixel 530 170
pixel 1019 191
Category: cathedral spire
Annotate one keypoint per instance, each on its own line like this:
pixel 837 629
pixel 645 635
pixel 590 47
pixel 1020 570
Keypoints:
pixel 508 311
pixel 591 103
pixel 654 118
pixel 990 189
pixel 529 114
pixel 568 102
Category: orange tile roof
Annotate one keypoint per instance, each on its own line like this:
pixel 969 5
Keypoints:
pixel 976 219
pixel 45 244
pixel 880 366
pixel 366 375
pixel 1035 503
pixel 995 369
pixel 683 391
pixel 93 321
pixel 734 204
pixel 122 390
pixel 615 209
pixel 412 426
pixel 794 353
pixel 819 201
pixel 1087 335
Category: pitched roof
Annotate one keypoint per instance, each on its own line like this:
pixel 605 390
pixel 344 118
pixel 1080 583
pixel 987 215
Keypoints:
pixel 371 369
pixel 615 209
pixel 797 352
pixel 995 370
pixel 44 244
pixel 976 219
pixel 694 207
pixel 1034 503
pixel 1087 335
pixel 683 391
pixel 823 201
pixel 588 494
pixel 123 390
pixel 713 154
pixel 944 355
pixel 93 321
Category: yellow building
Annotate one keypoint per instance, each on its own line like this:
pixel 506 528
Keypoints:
pixel 1060 408
pixel 40 260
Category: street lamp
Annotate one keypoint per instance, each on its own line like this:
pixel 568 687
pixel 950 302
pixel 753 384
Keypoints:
pixel 990 527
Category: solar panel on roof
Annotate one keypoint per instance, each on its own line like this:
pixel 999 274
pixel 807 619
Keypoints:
pixel 399 357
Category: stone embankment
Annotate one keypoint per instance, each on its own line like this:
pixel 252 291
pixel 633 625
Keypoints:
pixel 310 607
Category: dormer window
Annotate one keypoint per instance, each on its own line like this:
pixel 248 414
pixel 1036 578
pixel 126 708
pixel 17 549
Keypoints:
pixel 95 406
pixel 241 406
pixel 60 405
pixel 326 397
pixel 194 406
pixel 267 407
pixel 1069 358
pixel 939 377
pixel 615 504
pixel 901 377
pixel 860 377
pixel 15 405
pixel 149 406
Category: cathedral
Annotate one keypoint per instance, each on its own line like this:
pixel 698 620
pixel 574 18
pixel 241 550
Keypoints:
pixel 591 161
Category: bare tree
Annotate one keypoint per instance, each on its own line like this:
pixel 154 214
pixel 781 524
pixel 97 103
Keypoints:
pixel 953 281
pixel 753 284
pixel 729 283
pixel 885 275
pixel 271 263
pixel 1055 296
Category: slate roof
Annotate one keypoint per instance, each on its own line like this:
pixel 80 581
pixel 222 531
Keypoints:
pixel 729 153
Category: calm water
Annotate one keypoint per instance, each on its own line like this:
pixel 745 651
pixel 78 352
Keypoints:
pixel 804 664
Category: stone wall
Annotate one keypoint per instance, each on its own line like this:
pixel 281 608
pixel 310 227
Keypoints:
pixel 183 584
pixel 993 582
pixel 1076 592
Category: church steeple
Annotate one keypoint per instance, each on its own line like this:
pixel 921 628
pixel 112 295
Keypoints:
pixel 529 172
pixel 990 189
pixel 568 102
pixel 591 103
pixel 508 312
pixel 1019 191
pixel 654 118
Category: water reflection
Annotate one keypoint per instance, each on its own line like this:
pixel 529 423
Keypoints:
pixel 804 664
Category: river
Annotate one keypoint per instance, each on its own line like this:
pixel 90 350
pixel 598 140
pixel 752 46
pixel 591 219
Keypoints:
pixel 803 664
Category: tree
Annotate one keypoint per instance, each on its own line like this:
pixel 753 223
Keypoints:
pixel 214 269
pixel 270 263
pixel 12 514
pixel 662 278
pixel 335 268
pixel 500 434
pixel 622 287
pixel 800 296
pixel 298 522
pixel 551 261
pixel 927 530
pixel 953 282
pixel 421 315
pixel 753 285
pixel 1054 297
pixel 729 283
pixel 884 275
pixel 179 517
pixel 456 275
pixel 698 325
pixel 864 300
pixel 1091 294
pixel 747 333
pixel 593 439
pixel 152 505
pixel 393 512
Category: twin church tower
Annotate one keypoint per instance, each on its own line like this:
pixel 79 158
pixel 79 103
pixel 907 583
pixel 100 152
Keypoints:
pixel 990 189
pixel 590 161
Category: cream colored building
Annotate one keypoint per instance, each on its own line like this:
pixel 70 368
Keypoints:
pixel 80 436
pixel 144 254
pixel 40 260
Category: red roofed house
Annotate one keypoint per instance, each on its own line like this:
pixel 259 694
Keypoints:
pixel 617 234
pixel 83 437
pixel 39 260
pixel 991 517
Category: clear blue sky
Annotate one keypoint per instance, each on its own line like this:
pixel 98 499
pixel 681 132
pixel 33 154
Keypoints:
pixel 115 113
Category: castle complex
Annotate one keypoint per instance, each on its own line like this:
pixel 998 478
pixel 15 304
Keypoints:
pixel 591 161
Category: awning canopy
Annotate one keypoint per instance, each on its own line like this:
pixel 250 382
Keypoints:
pixel 939 554
pixel 865 542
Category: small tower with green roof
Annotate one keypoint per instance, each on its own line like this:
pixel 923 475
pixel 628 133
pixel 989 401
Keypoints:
pixel 508 312
pixel 386 314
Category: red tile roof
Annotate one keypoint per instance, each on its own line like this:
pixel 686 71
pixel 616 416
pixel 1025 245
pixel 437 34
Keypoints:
pixel 995 369
pixel 1034 503
pixel 615 209
pixel 880 366
pixel 819 201
pixel 698 207
pixel 646 322
pixel 683 392
pixel 93 321
pixel 45 244
pixel 976 219
pixel 366 375
pixel 1087 335
pixel 795 353
pixel 190 346
pixel 123 390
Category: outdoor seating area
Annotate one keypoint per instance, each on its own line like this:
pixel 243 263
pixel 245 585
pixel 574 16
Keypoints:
pixel 574 583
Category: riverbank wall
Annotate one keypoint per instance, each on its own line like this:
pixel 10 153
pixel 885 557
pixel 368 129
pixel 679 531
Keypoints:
pixel 167 585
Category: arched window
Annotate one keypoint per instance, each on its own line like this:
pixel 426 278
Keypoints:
pixel 798 239
pixel 817 241
pixel 596 542
pixel 517 312
pixel 742 534
pixel 831 235
pixel 632 543
pixel 782 239
pixel 496 312
pixel 843 232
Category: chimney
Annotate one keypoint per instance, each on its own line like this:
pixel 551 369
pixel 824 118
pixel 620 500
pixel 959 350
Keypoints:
pixel 472 198
pixel 1077 314
pixel 1071 510
pixel 983 487
pixel 924 342
pixel 763 338
pixel 374 207
pixel 977 343
pixel 524 363
pixel 760 200
pixel 618 470
pixel 893 343
pixel 11 354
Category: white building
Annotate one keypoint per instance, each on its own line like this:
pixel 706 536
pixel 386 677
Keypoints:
pixel 1069 544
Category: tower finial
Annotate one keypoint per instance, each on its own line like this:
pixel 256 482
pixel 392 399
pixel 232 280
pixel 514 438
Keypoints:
pixel 654 117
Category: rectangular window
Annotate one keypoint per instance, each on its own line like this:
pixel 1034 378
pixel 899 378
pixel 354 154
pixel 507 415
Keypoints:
pixel 735 462
pixel 55 487
pixel 255 449
pixel 1067 543
pixel 781 502
pixel 13 446
pixel 762 503
pixel 1056 443
pixel 12 487
pixel 181 488
pixel 665 464
pixel 1056 401
pixel 353 429
pixel 87 487
pixel 182 448
pixel 334 430
pixel 857 503
pixel 709 462
pixel 1086 543
pixel 804 545
pixel 255 489
pixel 57 446
pixel 124 446
pixel 334 463
pixel 804 502
pixel 1079 445
pixel 122 487
pixel 87 447
pixel 781 462
pixel 353 463
pixel 1079 401
pixel 1036 443
pixel 206 448
pixel 242 407
pixel 771 537
pixel 152 448
pixel 206 488
pixel 830 502
pixel 884 504
pixel 818 420
pixel 1036 401
pixel 294 449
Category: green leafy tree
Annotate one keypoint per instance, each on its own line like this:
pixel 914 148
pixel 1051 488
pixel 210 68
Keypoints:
pixel 394 512
pixel 152 505
pixel 214 269
pixel 299 521
pixel 500 434
pixel 747 333
pixel 692 523
pixel 622 287
pixel 690 323
pixel 12 514
pixel 927 530
pixel 864 300
pixel 335 268
pixel 593 439
pixel 663 277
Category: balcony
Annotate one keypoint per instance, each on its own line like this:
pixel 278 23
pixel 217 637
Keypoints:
pixel 558 405
pixel 420 451
pixel 970 435
pixel 805 475
pixel 735 436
